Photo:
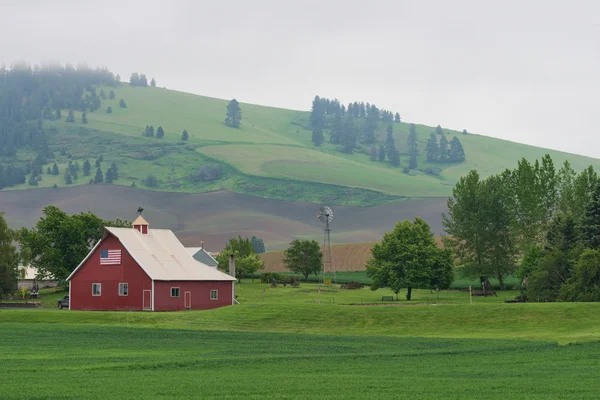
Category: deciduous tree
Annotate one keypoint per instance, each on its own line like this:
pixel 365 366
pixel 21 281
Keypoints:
pixel 303 257
pixel 9 258
pixel 246 261
pixel 409 258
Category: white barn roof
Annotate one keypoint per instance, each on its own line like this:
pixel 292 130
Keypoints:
pixel 162 256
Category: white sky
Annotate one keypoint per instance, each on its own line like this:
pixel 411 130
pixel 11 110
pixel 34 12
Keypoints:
pixel 526 71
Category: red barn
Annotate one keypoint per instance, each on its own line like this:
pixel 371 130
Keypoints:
pixel 146 269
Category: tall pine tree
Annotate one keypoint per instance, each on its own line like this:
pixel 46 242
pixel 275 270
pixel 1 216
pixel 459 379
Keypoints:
pixel 317 136
pixel 444 151
pixel 591 220
pixel 432 149
pixel 390 143
pixel 234 114
pixel 457 153
pixel 413 147
pixel 349 136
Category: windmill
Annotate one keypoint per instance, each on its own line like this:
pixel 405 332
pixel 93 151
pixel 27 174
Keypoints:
pixel 325 215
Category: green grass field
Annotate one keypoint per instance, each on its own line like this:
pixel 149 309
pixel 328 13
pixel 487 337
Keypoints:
pixel 283 343
pixel 271 155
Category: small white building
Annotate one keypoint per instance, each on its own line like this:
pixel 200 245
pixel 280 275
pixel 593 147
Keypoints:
pixel 28 278
pixel 205 257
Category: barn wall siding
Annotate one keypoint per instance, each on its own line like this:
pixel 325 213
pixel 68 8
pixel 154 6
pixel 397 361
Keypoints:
pixel 109 276
pixel 200 291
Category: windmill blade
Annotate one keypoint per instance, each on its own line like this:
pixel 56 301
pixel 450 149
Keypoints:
pixel 325 214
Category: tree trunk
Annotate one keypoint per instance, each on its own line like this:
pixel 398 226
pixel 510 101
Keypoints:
pixel 306 277
pixel 500 282
pixel 408 293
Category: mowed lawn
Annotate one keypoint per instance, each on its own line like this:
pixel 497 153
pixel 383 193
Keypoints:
pixel 297 343
pixel 63 361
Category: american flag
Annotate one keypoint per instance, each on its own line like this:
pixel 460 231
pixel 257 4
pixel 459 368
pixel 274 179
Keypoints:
pixel 110 257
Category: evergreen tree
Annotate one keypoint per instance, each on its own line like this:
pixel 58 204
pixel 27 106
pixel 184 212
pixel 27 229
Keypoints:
pixel 397 117
pixel 432 149
pixel 99 176
pixel 370 127
pixel 122 103
pixel 109 110
pixel 465 132
pixel 71 116
pixel 317 115
pixel 111 95
pixel 184 135
pixel 98 161
pixel 381 155
pixel 55 169
pixel 457 153
pixel 109 176
pixel 317 136
pixel 390 144
pixel 84 118
pixel 87 168
pixel 395 158
pixel 32 180
pixel 234 114
pixel 68 179
pixel 337 132
pixel 413 148
pixel 115 171
pixel 143 80
pixel 349 137
pixel 153 83
pixel 444 152
pixel 160 133
pixel 102 94
pixel 49 171
pixel 438 130
pixel 373 153
pixel 134 79
pixel 58 114
pixel 590 225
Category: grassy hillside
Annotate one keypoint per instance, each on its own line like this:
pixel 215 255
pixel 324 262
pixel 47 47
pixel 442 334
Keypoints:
pixel 271 155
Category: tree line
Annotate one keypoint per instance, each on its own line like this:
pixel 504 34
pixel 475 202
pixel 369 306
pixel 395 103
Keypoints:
pixel 358 123
pixel 534 221
pixel 160 132
pixel 140 80
pixel 28 96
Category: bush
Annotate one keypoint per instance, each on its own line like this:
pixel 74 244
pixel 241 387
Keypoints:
pixel 431 171
pixel 151 181
pixel 271 276
pixel 207 173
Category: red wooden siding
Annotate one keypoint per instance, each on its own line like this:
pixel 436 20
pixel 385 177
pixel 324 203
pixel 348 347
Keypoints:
pixel 109 276
pixel 200 291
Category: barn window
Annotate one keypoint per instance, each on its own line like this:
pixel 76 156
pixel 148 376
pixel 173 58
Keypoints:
pixel 123 289
pixel 174 292
pixel 214 295
pixel 96 289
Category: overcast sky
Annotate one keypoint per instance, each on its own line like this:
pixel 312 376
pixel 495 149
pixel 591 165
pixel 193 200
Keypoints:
pixel 526 71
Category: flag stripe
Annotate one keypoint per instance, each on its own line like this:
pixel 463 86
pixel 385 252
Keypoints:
pixel 110 257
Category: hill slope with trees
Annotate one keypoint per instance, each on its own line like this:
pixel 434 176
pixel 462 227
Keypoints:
pixel 65 126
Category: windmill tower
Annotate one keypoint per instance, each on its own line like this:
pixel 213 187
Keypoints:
pixel 325 215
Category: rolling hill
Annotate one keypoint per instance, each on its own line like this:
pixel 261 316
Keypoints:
pixel 270 175
pixel 271 155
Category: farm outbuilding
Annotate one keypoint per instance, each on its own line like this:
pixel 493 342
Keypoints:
pixel 205 257
pixel 29 278
pixel 146 269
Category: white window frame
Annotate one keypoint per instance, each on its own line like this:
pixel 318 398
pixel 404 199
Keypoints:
pixel 178 291
pixel 216 292
pixel 124 285
pixel 99 285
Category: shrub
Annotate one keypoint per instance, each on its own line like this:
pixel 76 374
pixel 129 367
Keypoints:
pixel 270 276
pixel 206 173
pixel 431 171
pixel 151 181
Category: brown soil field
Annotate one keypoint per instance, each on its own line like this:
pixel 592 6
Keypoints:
pixel 217 216
pixel 346 257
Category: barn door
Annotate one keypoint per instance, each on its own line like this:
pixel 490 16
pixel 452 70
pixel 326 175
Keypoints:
pixel 187 302
pixel 147 300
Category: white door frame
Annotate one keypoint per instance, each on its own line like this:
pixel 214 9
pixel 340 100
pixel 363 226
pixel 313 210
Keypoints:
pixel 144 305
pixel 185 303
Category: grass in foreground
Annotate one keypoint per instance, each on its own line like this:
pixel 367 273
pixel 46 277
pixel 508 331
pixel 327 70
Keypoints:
pixel 52 361
pixel 289 310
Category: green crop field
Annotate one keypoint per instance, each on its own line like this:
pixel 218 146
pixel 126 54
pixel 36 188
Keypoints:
pixel 295 343
pixel 271 155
